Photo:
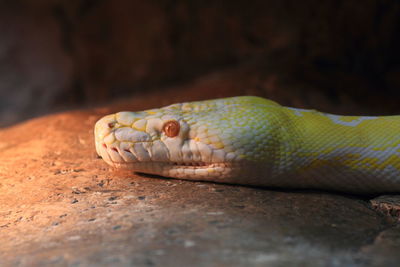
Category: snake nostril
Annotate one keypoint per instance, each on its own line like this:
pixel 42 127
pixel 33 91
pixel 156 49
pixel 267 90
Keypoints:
pixel 104 145
pixel 111 125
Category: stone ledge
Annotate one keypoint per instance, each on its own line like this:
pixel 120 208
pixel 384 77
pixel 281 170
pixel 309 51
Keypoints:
pixel 62 205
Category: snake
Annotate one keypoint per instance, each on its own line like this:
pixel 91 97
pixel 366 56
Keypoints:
pixel 250 140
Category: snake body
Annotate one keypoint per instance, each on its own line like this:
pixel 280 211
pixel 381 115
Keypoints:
pixel 254 141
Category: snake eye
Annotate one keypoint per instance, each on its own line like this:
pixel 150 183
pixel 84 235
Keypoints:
pixel 171 128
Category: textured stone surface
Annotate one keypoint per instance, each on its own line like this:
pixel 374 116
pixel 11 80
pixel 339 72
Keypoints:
pixel 388 205
pixel 62 205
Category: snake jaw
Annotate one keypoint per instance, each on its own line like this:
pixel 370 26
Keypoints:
pixel 135 160
pixel 195 171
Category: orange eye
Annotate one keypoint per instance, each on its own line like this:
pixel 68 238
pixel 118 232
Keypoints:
pixel 171 128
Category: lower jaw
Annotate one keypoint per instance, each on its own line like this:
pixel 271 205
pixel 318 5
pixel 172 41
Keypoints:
pixel 173 165
pixel 215 172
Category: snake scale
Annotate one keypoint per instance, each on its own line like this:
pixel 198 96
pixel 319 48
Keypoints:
pixel 254 141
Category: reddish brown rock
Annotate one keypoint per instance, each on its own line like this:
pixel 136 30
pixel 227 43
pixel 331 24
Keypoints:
pixel 62 205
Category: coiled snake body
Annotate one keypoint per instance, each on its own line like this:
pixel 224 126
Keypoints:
pixel 254 141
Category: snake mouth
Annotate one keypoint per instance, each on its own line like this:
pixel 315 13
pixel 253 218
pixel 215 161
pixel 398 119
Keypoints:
pixel 126 158
pixel 120 158
pixel 182 165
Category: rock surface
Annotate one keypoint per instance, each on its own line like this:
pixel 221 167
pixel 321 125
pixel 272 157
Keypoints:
pixel 62 205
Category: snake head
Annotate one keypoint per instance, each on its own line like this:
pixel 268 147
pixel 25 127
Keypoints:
pixel 161 142
pixel 194 140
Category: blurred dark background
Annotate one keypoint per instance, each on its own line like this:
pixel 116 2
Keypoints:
pixel 336 55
